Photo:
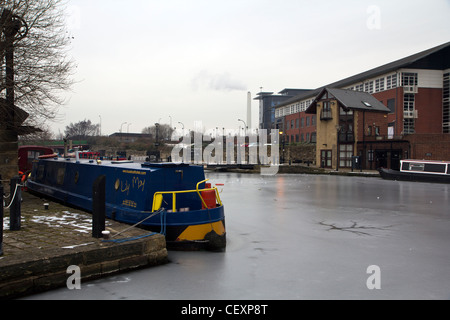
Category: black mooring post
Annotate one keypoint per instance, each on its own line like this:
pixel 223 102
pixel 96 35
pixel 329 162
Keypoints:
pixel 15 206
pixel 98 206
pixel 1 218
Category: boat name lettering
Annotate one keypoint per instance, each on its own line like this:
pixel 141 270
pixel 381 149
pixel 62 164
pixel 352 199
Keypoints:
pixel 142 173
pixel 140 184
pixel 136 183
pixel 129 203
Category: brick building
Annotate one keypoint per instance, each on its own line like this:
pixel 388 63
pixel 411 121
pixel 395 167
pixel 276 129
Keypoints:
pixel 416 91
pixel 344 119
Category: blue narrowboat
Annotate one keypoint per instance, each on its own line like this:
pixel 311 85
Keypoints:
pixel 174 199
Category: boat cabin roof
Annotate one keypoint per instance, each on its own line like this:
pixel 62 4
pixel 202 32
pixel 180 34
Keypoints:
pixel 426 161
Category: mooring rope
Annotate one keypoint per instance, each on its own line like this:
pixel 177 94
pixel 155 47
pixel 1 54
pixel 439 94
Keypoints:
pixel 163 228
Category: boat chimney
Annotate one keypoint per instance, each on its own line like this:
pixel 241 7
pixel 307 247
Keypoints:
pixel 77 155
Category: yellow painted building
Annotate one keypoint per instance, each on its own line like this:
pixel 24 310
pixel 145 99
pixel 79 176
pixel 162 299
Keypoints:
pixel 341 116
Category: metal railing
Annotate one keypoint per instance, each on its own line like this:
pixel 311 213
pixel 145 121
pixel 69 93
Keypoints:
pixel 158 196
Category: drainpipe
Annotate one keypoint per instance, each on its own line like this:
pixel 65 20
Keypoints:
pixel 364 138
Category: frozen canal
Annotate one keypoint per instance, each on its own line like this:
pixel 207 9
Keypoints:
pixel 306 237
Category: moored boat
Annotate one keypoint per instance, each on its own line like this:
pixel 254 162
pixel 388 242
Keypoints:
pixel 420 171
pixel 174 199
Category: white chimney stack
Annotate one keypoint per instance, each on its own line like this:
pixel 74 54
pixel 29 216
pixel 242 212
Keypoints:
pixel 249 110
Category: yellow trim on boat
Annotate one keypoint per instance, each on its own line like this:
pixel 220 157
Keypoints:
pixel 198 232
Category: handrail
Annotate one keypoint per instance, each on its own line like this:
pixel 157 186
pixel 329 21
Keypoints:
pixel 201 198
pixel 174 193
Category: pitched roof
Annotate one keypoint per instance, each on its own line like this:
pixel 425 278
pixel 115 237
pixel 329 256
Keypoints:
pixel 354 100
pixel 414 60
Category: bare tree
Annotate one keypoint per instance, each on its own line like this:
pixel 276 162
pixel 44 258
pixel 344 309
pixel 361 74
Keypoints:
pixel 34 70
pixel 42 67
pixel 162 131
pixel 81 130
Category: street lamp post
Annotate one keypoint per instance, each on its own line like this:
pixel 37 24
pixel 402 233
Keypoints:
pixel 182 124
pixel 121 135
pixel 245 126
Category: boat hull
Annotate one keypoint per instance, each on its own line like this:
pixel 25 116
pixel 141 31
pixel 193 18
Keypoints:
pixel 129 198
pixel 390 174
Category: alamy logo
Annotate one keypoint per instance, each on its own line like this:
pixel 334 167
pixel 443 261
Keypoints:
pixel 374 280
pixel 374 20
pixel 229 149
pixel 74 281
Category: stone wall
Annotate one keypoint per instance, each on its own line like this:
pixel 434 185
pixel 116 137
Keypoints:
pixel 300 153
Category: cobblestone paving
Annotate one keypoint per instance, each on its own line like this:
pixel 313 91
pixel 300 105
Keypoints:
pixel 57 227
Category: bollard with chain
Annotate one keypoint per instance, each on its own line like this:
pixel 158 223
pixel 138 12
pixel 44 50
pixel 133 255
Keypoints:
pixel 15 206
pixel 1 217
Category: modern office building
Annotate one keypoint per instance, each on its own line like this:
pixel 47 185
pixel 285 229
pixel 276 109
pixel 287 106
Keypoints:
pixel 269 101
pixel 414 89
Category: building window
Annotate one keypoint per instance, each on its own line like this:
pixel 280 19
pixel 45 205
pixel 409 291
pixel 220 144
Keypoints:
pixel 368 87
pixel 307 121
pixel 408 126
pixel 325 158
pixel 409 79
pixel 302 122
pixel 446 103
pixel 391 81
pixel 408 113
pixel 379 85
pixel 345 155
pixel 408 105
pixel 313 137
pixel 296 123
pixel 326 111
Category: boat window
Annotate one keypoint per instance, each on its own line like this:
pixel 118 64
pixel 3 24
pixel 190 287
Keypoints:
pixel 416 167
pixel 60 176
pixel 435 167
pixel 405 165
pixel 40 172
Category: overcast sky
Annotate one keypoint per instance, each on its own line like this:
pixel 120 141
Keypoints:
pixel 145 61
